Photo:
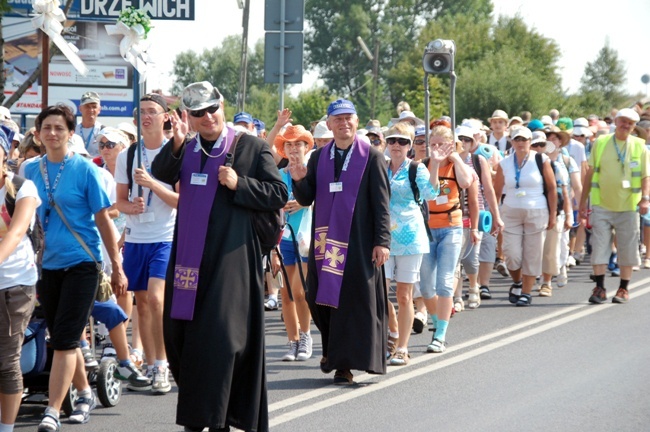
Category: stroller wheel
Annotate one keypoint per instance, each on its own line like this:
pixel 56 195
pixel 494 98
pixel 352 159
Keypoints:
pixel 109 388
pixel 68 403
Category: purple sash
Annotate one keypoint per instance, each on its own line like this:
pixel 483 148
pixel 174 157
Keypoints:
pixel 194 205
pixel 334 218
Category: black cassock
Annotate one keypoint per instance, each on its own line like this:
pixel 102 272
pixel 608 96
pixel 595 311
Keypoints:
pixel 354 334
pixel 217 359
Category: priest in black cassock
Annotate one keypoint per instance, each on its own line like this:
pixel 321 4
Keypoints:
pixel 214 293
pixel 347 181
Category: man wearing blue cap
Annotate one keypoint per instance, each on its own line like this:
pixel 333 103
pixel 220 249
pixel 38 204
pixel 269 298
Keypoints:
pixel 260 127
pixel 245 120
pixel 348 183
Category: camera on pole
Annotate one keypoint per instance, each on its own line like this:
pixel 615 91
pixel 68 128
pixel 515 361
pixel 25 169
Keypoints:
pixel 439 57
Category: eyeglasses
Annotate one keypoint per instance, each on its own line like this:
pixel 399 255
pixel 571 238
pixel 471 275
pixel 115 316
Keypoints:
pixel 578 136
pixel 108 144
pixel 520 139
pixel 466 139
pixel 419 141
pixel 151 113
pixel 539 144
pixel 401 141
pixel 200 113
pixel 375 142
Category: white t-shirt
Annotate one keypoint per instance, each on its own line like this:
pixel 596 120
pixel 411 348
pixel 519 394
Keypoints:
pixel 161 228
pixel 19 267
pixel 577 151
pixel 530 193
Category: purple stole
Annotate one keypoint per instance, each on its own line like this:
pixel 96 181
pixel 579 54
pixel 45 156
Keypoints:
pixel 194 206
pixel 333 217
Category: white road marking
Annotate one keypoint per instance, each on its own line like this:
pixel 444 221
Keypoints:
pixel 445 362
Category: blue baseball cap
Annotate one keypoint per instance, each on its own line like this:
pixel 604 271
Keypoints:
pixel 420 130
pixel 259 125
pixel 243 117
pixel 341 106
pixel 6 136
pixel 535 125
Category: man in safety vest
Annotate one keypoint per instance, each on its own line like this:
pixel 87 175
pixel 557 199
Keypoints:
pixel 617 182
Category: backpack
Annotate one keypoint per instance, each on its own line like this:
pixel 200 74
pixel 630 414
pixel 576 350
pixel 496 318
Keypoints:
pixel 423 204
pixel 33 355
pixel 560 196
pixel 35 233
pixel 268 225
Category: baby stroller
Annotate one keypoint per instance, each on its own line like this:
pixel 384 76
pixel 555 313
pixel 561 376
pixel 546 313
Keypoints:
pixel 36 363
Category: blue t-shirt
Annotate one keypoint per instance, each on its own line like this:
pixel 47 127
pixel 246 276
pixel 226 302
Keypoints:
pixel 408 234
pixel 293 219
pixel 80 194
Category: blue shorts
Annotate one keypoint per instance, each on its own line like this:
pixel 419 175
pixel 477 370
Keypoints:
pixel 109 312
pixel 143 261
pixel 288 252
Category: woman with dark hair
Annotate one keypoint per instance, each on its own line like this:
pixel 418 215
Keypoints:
pixel 70 185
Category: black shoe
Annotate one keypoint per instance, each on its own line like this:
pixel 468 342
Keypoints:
pixel 192 429
pixel 324 368
pixel 513 298
pixel 418 324
pixel 343 377
pixel 485 293
pixel 524 300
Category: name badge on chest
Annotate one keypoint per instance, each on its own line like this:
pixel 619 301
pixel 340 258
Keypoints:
pixel 442 199
pixel 199 179
pixel 336 187
pixel 626 184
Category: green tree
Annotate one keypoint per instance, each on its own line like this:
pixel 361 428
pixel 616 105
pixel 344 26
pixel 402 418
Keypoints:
pixel 310 105
pixel 603 80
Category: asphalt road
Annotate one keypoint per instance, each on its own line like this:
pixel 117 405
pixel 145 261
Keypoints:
pixel 560 365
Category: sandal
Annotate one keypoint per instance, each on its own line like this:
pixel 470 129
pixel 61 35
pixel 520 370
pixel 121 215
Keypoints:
pixel 485 292
pixel 49 423
pixel 545 290
pixel 391 347
pixel 343 377
pixel 401 358
pixel 524 300
pixel 474 300
pixel 271 304
pixel 437 346
pixel 79 414
pixel 458 304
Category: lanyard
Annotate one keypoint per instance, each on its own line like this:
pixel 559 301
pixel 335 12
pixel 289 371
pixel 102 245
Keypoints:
pixel 88 140
pixel 519 168
pixel 50 191
pixel 621 156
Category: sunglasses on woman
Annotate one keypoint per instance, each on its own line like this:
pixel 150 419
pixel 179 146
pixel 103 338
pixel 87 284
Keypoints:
pixel 539 144
pixel 401 141
pixel 200 113
pixel 108 144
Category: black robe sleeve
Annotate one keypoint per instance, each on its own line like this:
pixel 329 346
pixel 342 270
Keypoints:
pixel 166 166
pixel 379 198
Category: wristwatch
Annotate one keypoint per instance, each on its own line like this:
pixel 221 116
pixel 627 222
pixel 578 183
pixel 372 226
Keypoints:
pixel 645 197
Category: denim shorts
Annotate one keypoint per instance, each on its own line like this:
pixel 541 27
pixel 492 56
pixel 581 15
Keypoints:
pixel 110 313
pixel 439 265
pixel 143 261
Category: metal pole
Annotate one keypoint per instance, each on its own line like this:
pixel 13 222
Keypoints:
pixel 375 73
pixel 241 96
pixel 452 97
pixel 45 70
pixel 136 104
pixel 282 47
pixel 426 111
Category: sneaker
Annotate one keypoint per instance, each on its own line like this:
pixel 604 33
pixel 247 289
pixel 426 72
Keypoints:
pixel 524 300
pixel 546 290
pixel 570 262
pixel 292 353
pixel 622 296
pixel 271 304
pixel 401 358
pixel 419 321
pixel 136 380
pixel 598 296
pixel 636 268
pixel 160 383
pixel 304 347
pixel 49 423
pixel 616 272
pixel 82 408
pixel 437 346
pixel 562 278
pixel 108 352
pixel 513 298
pixel 89 358
pixel 578 257
pixel 485 292
pixel 391 346
pixel 646 263
pixel 502 269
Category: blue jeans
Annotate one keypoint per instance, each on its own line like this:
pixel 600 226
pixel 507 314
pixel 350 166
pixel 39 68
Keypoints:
pixel 439 265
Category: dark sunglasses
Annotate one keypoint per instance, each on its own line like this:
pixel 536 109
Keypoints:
pixel 466 139
pixel 578 136
pixel 200 113
pixel 400 141
pixel 108 144
pixel 539 144
pixel 520 139
pixel 375 142
pixel 419 141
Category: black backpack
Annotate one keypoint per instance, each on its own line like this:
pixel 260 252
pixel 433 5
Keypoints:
pixel 268 225
pixel 35 234
pixel 560 196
